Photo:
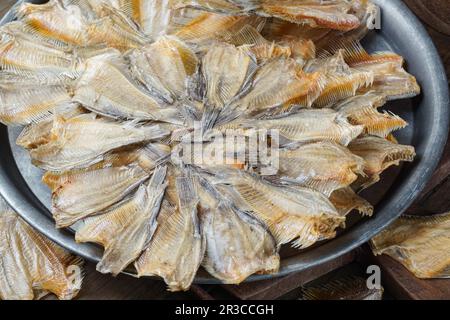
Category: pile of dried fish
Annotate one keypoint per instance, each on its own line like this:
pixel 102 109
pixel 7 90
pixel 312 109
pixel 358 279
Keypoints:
pixel 113 93
pixel 31 266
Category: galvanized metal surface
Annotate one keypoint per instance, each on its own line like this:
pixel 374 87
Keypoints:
pixel 428 116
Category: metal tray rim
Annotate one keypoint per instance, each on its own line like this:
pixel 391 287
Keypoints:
pixel 402 199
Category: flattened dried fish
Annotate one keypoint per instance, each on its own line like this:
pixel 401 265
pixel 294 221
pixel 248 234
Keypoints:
pixel 72 144
pixel 76 195
pixel 237 244
pixel 340 81
pixel 97 91
pixel 362 110
pixel 21 105
pixel 322 166
pixel 380 154
pixel 346 200
pixel 55 21
pixel 51 20
pixel 310 126
pixel 208 27
pixel 153 16
pixel 331 14
pixel 164 68
pixel 31 265
pixel 227 70
pixel 334 15
pixel 24 57
pixel 260 47
pixel 37 134
pixel 293 86
pixel 177 248
pixel 419 243
pixel 298 215
pixel 390 78
pixel 126 229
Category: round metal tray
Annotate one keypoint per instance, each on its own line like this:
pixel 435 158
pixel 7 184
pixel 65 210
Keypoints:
pixel 427 114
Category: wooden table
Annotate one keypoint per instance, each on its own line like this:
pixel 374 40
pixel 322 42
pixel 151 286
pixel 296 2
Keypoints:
pixel 398 280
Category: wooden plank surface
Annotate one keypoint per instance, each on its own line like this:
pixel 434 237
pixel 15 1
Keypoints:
pixel 397 279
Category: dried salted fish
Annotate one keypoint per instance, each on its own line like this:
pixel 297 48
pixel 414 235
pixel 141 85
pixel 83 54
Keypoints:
pixel 298 215
pixel 24 57
pixel 322 166
pixel 309 126
pixel 379 155
pixel 207 27
pixel 153 16
pixel 237 244
pixel 346 200
pixel 72 144
pixel 164 68
pixel 126 229
pixel 97 91
pixel 292 87
pixel 362 110
pixel 340 81
pixel 390 78
pixel 345 287
pixel 22 105
pixel 50 20
pixel 419 243
pixel 31 265
pixel 80 194
pixel 36 134
pixel 227 71
pixel 333 14
pixel 261 48
pixel 177 248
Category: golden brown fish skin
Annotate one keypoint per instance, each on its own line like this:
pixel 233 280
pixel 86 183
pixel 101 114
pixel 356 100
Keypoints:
pixel 23 56
pixel 23 105
pixel 81 194
pixel 227 71
pixel 379 154
pixel 72 147
pixel 37 134
pixel 164 67
pixel 346 200
pixel 208 27
pixel 299 216
pixel 390 78
pixel 29 263
pixel 127 228
pixel 293 87
pixel 316 14
pixel 97 91
pixel 322 166
pixel 237 244
pixel 308 125
pixel 362 110
pixel 111 27
pixel 178 247
pixel 340 80
pixel 420 243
